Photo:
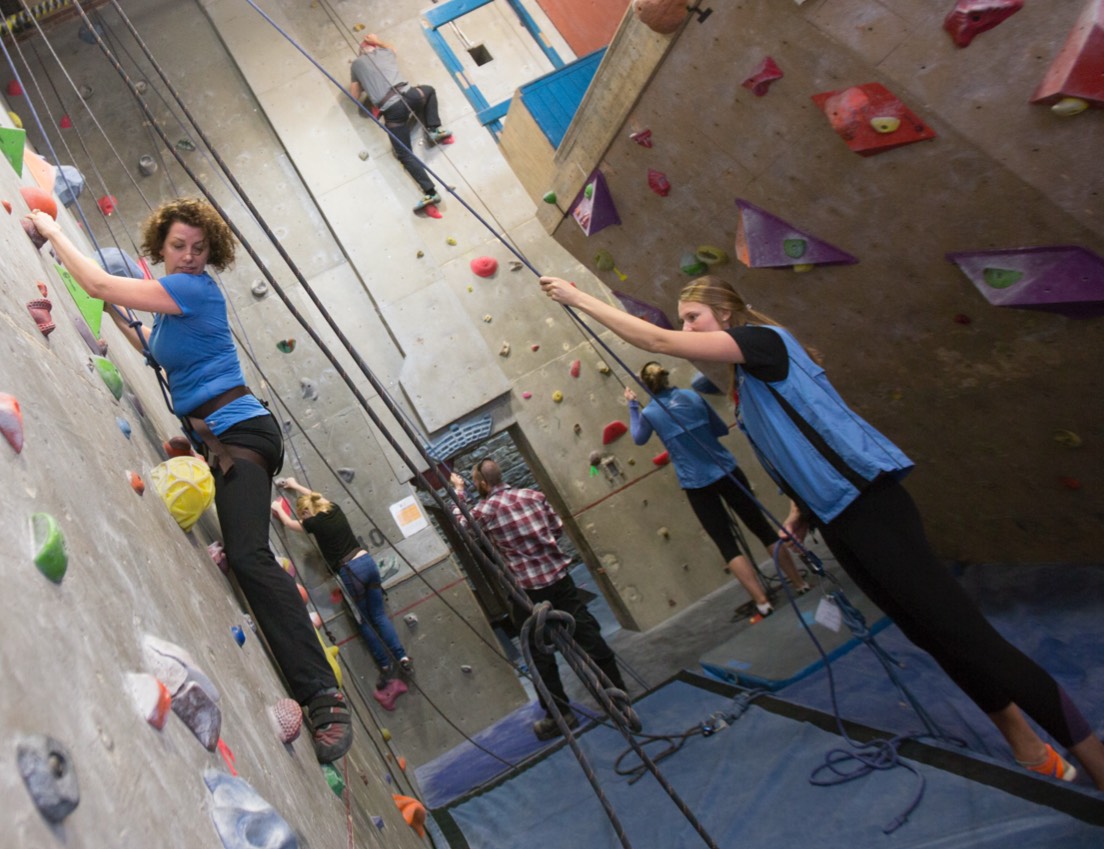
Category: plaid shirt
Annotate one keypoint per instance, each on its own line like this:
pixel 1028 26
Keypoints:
pixel 524 528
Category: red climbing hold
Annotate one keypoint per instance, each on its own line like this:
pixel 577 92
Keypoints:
pixel 764 74
pixel 970 18
pixel 107 204
pixel 178 446
pixel 851 112
pixel 432 211
pixel 658 182
pixel 14 89
pixel 40 199
pixel 390 692
pixel 11 421
pixel 661 459
pixel 642 138
pixel 66 123
pixel 335 596
pixel 484 266
pixel 40 312
pixel 1070 483
pixel 6 205
pixel 576 367
pixel 613 431
pixel 1078 70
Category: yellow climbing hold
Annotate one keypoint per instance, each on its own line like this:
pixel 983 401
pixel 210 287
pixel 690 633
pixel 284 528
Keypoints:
pixel 557 396
pixel 450 240
pixel 804 266
pixel 186 486
pixel 711 255
pixel 15 119
pixel 1067 107
pixel 885 124
pixel 1067 438
pixel 331 656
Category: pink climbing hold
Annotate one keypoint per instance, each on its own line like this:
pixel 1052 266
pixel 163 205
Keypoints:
pixel 432 211
pixel 287 719
pixel 526 395
pixel 765 73
pixel 11 421
pixel 642 138
pixel 66 123
pixel 218 556
pixel 107 204
pixel 14 89
pixel 484 266
pixel 658 182
pixel 576 367
pixel 40 312
pixel 390 693
pixel 970 18
pixel 613 431
pixel 661 459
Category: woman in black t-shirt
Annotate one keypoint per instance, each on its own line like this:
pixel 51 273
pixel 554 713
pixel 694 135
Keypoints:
pixel 356 568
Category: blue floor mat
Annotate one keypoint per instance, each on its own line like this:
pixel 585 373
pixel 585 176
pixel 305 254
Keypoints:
pixel 1053 613
pixel 749 785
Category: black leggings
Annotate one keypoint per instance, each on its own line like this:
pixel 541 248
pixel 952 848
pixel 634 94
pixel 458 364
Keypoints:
pixel 708 503
pixel 879 541
pixel 243 498
pixel 421 102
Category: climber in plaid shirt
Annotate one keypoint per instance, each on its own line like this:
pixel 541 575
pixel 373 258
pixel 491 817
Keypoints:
pixel 525 529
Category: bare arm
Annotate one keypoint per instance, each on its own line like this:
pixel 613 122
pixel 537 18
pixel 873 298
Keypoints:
pixel 294 485
pixel 131 333
pixel 355 90
pixel 715 346
pixel 142 294
pixel 285 520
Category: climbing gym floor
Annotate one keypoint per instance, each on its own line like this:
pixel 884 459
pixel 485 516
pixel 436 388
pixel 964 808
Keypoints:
pixel 750 783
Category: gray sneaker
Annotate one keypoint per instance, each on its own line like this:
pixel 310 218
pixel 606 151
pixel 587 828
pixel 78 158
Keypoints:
pixel 427 200
pixel 439 135
pixel 547 728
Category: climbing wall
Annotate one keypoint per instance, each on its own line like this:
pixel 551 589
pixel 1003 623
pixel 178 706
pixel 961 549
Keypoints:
pixel 106 594
pixel 902 205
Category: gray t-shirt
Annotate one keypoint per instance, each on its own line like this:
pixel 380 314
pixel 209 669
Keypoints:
pixel 377 71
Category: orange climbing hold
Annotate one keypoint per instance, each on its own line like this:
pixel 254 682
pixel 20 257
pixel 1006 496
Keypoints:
pixel 40 199
pixel 11 421
pixel 613 431
pixel 413 812
pixel 136 482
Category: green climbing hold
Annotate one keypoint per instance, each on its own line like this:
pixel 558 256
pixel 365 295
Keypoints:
pixel 51 558
pixel 794 248
pixel 285 346
pixel 588 192
pixel 110 375
pixel 91 309
pixel 603 260
pixel 549 197
pixel 691 265
pixel 1001 278
pixel 334 779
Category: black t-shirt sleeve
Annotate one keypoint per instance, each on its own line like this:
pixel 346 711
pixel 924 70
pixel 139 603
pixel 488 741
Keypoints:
pixel 765 356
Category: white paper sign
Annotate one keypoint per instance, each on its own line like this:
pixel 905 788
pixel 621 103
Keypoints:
pixel 408 516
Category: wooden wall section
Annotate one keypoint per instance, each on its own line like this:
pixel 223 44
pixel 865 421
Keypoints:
pixel 982 398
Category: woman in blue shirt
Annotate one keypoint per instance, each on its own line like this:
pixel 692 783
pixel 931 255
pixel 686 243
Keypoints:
pixel 709 475
pixel 843 476
pixel 191 340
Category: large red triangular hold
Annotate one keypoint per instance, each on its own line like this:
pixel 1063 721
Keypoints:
pixel 969 18
pixel 593 208
pixel 1064 279
pixel 871 119
pixel 766 241
pixel 1078 71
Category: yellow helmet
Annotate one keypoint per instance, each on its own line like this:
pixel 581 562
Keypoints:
pixel 186 486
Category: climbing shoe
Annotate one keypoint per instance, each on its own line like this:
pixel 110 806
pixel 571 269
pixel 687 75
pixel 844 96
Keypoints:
pixel 427 200
pixel 1053 765
pixel 406 664
pixel 547 728
pixel 385 676
pixel 331 726
pixel 438 135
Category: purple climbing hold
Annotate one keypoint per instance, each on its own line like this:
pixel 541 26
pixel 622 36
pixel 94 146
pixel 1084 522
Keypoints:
pixel 198 711
pixel 1065 279
pixel 596 211
pixel 766 241
pixel 644 310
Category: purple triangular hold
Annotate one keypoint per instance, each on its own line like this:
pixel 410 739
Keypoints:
pixel 1065 279
pixel 597 211
pixel 644 310
pixel 766 241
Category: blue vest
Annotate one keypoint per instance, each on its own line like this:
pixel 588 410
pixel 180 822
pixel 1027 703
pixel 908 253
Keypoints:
pixel 809 440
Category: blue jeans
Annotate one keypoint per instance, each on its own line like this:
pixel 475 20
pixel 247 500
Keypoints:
pixel 361 578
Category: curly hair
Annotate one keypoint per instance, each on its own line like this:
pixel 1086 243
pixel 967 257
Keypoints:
pixel 195 212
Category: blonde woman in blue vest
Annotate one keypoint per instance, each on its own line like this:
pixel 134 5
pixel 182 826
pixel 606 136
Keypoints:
pixel 843 478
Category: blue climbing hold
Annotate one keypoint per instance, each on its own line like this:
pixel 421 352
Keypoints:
pixel 124 426
pixel 242 818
